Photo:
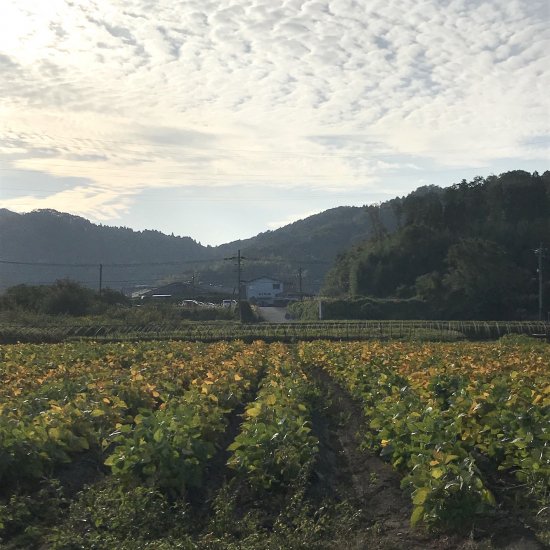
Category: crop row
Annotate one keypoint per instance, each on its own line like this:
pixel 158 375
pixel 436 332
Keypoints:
pixel 157 413
pixel 61 400
pixel 275 442
pixel 432 413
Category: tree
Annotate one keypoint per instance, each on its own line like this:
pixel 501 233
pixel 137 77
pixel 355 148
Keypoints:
pixel 482 281
pixel 69 298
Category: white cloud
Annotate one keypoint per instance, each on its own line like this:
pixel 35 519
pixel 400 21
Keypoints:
pixel 94 202
pixel 132 94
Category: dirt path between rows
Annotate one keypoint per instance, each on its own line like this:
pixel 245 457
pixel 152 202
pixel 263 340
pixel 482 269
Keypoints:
pixel 347 472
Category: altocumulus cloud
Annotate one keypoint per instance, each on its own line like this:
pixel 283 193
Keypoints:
pixel 338 94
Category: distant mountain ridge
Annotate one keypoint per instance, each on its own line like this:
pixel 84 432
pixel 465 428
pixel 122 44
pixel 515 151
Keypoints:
pixel 51 237
pixel 75 247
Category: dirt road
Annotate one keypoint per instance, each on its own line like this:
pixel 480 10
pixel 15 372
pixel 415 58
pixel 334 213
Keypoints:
pixel 273 314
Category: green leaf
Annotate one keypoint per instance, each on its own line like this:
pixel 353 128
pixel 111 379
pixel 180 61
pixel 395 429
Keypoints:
pixel 488 497
pixel 271 400
pixel 234 446
pixel 98 412
pixel 450 458
pixel 55 433
pixel 150 469
pixel 81 443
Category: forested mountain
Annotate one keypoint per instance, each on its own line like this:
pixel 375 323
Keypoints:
pixel 469 250
pixel 311 244
pixel 50 237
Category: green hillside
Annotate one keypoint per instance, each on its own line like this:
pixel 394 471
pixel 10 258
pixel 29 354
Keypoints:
pixel 468 251
pixel 74 248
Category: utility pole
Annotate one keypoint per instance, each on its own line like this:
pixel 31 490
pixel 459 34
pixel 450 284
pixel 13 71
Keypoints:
pixel 300 283
pixel 100 279
pixel 540 251
pixel 239 260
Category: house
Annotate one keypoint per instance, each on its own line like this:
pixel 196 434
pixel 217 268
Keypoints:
pixel 263 290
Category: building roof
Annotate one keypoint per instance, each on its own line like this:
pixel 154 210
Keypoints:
pixel 263 278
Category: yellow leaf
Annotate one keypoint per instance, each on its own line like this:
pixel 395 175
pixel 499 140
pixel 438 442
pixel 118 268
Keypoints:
pixel 420 495
pixel 238 378
pixel 434 462
pixel 271 400
pixel 254 411
pixel 417 515
pixel 437 473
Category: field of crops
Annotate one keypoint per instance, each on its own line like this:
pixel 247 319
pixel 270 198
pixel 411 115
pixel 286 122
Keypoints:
pixel 55 329
pixel 177 444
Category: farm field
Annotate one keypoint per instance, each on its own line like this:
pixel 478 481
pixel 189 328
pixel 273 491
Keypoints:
pixel 318 444
pixel 54 329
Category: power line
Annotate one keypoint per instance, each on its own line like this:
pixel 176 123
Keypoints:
pixel 47 264
pixel 136 264
pixel 152 264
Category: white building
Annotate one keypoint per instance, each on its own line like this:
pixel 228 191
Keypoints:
pixel 263 289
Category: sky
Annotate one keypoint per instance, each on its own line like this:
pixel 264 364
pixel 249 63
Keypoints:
pixel 221 119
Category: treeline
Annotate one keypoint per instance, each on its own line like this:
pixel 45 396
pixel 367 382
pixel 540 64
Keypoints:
pixel 44 304
pixel 467 251
pixel 45 245
pixel 64 297
pixel 57 246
